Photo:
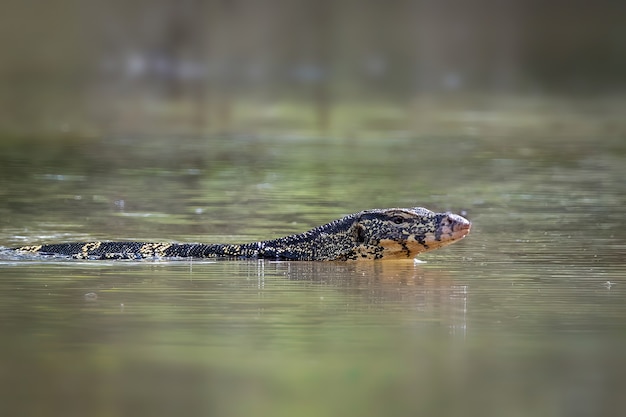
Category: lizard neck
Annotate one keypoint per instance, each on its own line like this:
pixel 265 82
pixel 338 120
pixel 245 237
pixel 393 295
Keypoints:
pixel 326 242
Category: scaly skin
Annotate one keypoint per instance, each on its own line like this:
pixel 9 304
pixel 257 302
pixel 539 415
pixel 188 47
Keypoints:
pixel 395 233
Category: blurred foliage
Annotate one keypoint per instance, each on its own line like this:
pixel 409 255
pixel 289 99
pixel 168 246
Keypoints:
pixel 277 65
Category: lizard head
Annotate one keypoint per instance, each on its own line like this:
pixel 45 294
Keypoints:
pixel 398 233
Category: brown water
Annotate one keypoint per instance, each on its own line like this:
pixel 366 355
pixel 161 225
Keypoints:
pixel 526 316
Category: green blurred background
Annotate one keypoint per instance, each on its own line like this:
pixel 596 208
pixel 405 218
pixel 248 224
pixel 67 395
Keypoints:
pixel 306 66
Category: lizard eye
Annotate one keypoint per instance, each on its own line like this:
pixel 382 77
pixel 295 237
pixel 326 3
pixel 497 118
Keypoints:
pixel 398 219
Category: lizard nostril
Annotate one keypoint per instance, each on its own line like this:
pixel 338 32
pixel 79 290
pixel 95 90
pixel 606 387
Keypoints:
pixel 458 222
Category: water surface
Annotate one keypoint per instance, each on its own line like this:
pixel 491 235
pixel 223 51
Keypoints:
pixel 526 316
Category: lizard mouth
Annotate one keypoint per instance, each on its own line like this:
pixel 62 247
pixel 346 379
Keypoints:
pixel 458 226
pixel 451 228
